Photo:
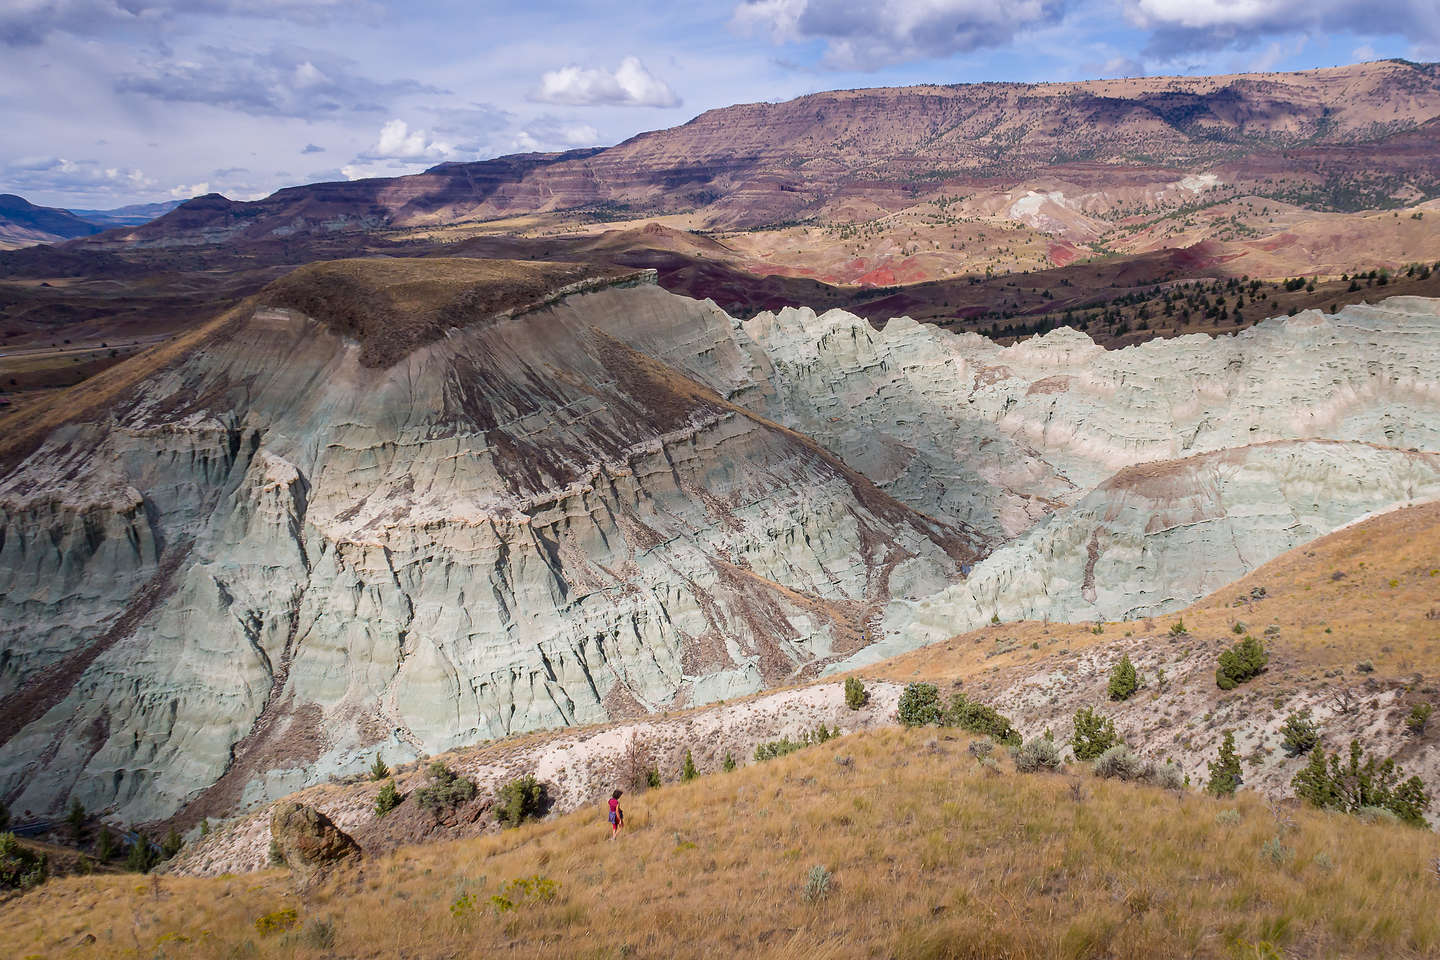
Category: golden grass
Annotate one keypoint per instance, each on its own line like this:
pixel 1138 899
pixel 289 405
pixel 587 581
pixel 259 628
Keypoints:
pixel 23 430
pixel 1380 609
pixel 932 856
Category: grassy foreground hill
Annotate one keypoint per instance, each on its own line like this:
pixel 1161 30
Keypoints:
pixel 901 842
pixel 886 844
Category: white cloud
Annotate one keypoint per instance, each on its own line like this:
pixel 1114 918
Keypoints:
pixel 182 192
pixel 398 142
pixel 870 34
pixel 549 133
pixel 631 85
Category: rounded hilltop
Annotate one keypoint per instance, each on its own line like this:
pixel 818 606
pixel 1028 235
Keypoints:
pixel 393 306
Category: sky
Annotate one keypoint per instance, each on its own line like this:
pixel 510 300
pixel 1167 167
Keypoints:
pixel 111 102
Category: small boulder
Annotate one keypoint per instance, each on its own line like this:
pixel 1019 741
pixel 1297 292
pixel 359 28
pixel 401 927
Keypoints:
pixel 308 840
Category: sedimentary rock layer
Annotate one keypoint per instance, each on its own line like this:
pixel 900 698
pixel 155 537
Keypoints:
pixel 270 556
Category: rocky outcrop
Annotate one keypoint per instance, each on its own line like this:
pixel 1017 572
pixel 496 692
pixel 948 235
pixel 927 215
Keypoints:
pixel 1158 537
pixel 309 842
pixel 269 558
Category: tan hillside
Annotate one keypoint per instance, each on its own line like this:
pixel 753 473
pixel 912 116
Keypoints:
pixel 929 854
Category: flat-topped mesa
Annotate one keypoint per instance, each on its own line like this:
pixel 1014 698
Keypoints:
pixel 393 306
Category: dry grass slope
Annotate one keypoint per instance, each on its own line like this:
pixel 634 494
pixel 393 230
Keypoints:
pixel 931 854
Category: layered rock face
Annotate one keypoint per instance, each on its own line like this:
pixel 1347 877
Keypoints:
pixel 269 559
pixel 760 163
pixel 272 559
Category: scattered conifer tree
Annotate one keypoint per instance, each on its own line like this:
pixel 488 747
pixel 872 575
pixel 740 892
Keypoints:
pixel 1225 774
pixel 1094 734
pixel 1124 681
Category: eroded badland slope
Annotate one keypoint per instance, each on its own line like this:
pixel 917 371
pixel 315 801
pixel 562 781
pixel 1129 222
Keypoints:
pixel 886 841
pixel 410 505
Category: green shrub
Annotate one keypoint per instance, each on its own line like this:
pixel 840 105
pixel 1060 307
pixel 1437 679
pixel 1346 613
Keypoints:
pixel 446 790
pixel 519 800
pixel 387 799
pixel 378 770
pixel 105 846
pixel 1124 681
pixel 1037 753
pixel 783 746
pixel 171 844
pixel 856 695
pixel 1168 776
pixel 1298 734
pixel 1178 628
pixel 976 717
pixel 687 769
pixel 523 890
pixel 76 819
pixel 1418 717
pixel 729 763
pixel 1244 660
pixel 652 778
pixel 1360 781
pixel 817 883
pixel 143 855
pixel 1120 763
pixel 1225 775
pixel 276 922
pixel 919 705
pixel 1094 734
pixel 20 867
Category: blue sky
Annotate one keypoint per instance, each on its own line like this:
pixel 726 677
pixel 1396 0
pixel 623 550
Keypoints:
pixel 108 102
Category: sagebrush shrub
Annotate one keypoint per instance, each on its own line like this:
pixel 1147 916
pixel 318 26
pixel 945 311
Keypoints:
pixel 1168 776
pixel 817 883
pixel 1037 753
pixel 1120 763
pixel 1094 734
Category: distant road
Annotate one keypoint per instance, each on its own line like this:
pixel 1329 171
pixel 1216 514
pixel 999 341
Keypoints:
pixel 39 353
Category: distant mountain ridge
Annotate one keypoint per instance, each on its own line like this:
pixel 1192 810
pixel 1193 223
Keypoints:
pixel 1306 134
pixel 24 224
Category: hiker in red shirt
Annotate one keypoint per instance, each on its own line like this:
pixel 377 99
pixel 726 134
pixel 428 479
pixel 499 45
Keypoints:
pixel 617 816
